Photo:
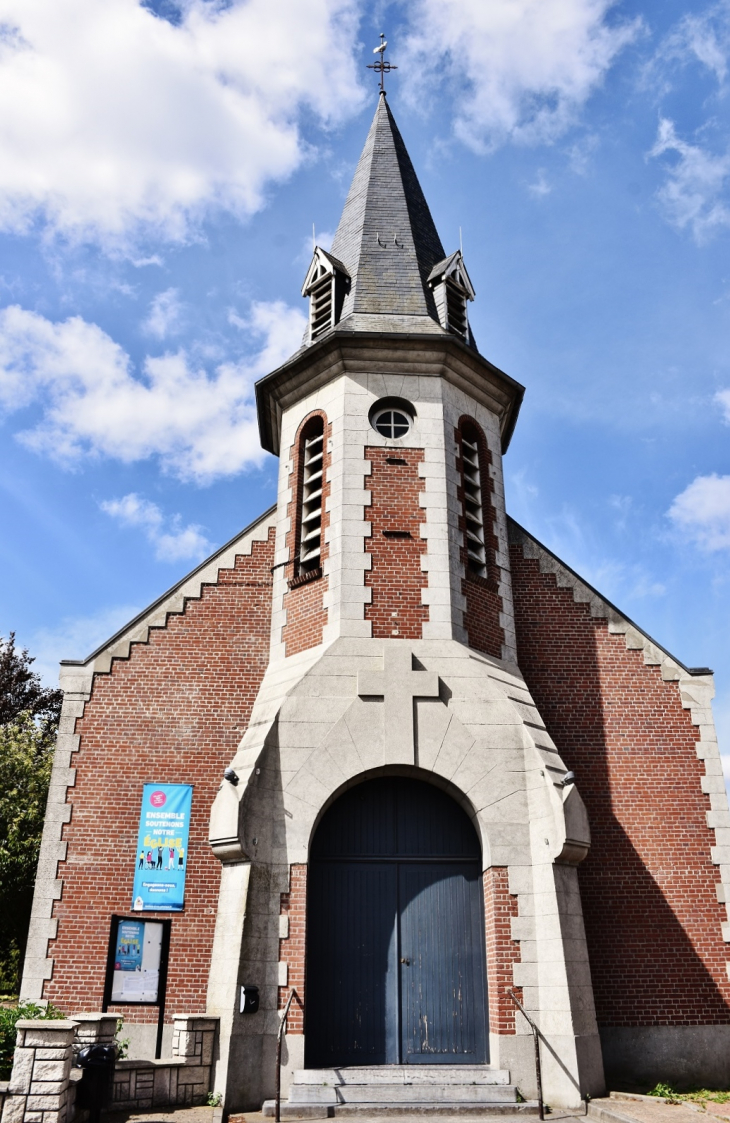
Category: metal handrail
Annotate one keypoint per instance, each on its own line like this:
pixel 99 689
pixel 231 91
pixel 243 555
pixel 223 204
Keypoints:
pixel 279 1035
pixel 536 1038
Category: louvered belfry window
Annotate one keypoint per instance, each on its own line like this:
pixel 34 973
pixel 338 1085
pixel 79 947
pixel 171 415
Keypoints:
pixel 310 498
pixel 456 308
pixel 473 502
pixel 321 296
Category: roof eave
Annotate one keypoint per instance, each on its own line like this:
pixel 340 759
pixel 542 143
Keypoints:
pixel 325 359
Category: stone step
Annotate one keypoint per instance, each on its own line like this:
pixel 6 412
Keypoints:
pixel 401 1093
pixel 437 1113
pixel 403 1074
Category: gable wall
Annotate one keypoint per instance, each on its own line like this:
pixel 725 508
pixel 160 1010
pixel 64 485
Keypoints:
pixel 172 712
pixel 649 886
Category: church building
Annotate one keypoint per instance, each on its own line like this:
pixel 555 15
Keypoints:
pixel 386 759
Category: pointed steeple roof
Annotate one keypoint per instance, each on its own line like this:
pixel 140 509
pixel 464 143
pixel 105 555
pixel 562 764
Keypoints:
pixel 387 238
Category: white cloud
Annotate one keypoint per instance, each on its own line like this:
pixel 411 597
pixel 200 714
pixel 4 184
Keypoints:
pixel 115 122
pixel 540 187
pixel 75 638
pixel 702 37
pixel 525 67
pixel 201 425
pixel 723 400
pixel 692 195
pixel 164 315
pixel 172 540
pixel 702 512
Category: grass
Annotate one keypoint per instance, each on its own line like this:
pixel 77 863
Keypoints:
pixel 696 1095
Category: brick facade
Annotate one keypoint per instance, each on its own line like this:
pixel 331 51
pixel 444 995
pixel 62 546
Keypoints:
pixel 173 712
pixel 648 885
pixel 483 602
pixel 306 615
pixel 292 948
pixel 502 951
pixel 395 545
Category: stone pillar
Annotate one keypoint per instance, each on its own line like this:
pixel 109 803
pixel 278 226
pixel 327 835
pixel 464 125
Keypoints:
pixel 39 1088
pixel 193 1038
pixel 193 1042
pixel 94 1029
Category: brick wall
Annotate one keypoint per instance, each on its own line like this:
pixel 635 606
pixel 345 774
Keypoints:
pixel 293 947
pixel 648 885
pixel 173 712
pixel 483 602
pixel 502 951
pixel 305 614
pixel 396 546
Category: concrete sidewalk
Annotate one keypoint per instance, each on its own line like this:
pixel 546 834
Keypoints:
pixel 625 1107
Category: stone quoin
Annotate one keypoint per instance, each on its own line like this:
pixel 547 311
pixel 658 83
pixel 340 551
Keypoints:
pixel 505 784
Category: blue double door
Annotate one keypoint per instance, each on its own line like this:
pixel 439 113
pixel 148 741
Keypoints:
pixel 395 946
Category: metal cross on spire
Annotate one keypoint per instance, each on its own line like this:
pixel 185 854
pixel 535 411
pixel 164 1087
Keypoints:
pixel 381 66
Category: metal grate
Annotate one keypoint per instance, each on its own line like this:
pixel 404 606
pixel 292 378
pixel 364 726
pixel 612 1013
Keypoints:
pixel 473 509
pixel 310 542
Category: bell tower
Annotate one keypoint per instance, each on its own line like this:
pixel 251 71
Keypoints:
pixel 393 659
pixel 401 493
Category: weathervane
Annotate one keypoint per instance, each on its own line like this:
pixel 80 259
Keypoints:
pixel 381 65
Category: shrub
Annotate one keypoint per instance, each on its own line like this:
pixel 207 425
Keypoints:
pixel 9 1015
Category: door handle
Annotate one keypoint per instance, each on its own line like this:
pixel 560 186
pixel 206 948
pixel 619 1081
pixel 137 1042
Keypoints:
pixel 406 961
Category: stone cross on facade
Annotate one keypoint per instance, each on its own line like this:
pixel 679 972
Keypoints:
pixel 398 685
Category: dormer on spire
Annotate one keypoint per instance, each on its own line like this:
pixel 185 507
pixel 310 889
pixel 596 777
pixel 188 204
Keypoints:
pixel 326 284
pixel 452 288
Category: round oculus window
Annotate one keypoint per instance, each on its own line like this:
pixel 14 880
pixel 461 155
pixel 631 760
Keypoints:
pixel 391 422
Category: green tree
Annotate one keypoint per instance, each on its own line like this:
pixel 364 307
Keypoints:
pixel 29 715
pixel 21 688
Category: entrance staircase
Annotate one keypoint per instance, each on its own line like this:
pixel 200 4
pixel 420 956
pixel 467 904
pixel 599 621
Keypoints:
pixel 389 1090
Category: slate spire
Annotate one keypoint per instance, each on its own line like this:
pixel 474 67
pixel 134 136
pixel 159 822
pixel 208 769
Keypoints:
pixel 387 239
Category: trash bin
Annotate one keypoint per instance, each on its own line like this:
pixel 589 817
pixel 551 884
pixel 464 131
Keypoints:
pixel 95 1089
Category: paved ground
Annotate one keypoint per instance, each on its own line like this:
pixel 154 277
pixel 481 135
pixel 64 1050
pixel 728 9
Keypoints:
pixel 613 1110
pixel 645 1110
pixel 180 1115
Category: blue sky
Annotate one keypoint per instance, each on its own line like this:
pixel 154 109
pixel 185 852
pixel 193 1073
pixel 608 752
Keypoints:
pixel 161 167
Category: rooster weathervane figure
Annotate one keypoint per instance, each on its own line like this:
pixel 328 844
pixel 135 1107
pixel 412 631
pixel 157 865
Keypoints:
pixel 381 66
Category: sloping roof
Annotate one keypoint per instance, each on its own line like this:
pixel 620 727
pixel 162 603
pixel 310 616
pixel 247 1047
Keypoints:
pixel 583 593
pixel 386 236
pixel 173 600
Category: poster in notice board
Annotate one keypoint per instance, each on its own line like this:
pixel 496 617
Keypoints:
pixel 162 848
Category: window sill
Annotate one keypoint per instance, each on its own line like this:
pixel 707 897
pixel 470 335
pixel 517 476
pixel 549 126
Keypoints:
pixel 304 578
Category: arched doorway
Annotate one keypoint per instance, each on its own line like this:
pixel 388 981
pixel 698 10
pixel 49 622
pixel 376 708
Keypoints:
pixel 395 930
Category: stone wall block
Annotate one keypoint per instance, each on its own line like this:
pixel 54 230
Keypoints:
pixel 48 1087
pixel 161 1087
pixel 40 1102
pixel 20 1078
pixel 53 1034
pixel 14 1109
pixel 51 1070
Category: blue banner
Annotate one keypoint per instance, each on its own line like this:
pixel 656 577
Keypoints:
pixel 162 848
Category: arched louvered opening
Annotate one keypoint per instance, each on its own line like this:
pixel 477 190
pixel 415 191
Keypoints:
pixel 473 500
pixel 311 459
